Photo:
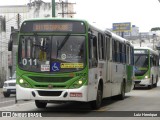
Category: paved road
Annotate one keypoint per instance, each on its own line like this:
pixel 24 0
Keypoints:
pixel 136 100
pixel 6 101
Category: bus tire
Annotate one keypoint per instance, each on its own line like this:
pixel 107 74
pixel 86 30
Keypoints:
pixel 156 81
pixel 151 86
pixel 96 104
pixel 40 104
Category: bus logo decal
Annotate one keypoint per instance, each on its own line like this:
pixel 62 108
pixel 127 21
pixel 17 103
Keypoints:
pixel 50 86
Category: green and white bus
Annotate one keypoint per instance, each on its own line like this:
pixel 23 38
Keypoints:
pixel 62 60
pixel 146 69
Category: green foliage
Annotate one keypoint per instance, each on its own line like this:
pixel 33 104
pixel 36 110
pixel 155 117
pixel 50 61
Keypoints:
pixel 155 29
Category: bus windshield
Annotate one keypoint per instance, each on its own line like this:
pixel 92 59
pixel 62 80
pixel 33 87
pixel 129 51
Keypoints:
pixel 141 60
pixel 65 53
pixel 141 64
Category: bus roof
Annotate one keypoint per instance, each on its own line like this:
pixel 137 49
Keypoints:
pixel 39 19
pixel 114 36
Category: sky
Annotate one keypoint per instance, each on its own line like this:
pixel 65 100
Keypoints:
pixel 145 14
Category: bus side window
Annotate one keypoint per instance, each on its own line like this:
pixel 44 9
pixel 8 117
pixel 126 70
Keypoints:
pixel 108 47
pixel 113 50
pixel 151 60
pixel 93 60
pixel 157 61
pixel 127 52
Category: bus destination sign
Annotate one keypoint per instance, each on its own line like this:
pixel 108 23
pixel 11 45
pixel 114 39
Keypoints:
pixel 52 27
pixel 140 51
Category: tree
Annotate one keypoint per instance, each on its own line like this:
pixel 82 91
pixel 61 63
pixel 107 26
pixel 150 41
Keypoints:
pixel 155 29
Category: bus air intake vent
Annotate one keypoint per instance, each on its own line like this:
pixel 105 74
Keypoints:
pixel 49 93
pixel 50 79
pixel 46 86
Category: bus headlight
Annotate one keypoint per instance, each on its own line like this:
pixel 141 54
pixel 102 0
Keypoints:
pixel 78 83
pixel 21 81
pixel 24 83
pixel 146 77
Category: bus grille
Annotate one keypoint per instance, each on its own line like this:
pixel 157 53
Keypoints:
pixel 50 79
pixel 49 93
pixel 54 86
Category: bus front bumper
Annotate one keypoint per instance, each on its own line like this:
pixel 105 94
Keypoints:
pixel 142 82
pixel 79 94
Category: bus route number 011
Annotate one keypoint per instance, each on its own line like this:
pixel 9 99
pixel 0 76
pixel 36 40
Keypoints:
pixel 29 62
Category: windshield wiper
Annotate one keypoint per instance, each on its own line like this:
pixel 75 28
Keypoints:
pixel 137 59
pixel 64 41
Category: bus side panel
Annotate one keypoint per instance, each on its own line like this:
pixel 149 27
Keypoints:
pixel 92 84
pixel 154 72
pixel 107 81
pixel 130 74
pixel 118 72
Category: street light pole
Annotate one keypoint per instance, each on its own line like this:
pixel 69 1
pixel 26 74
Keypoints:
pixel 53 8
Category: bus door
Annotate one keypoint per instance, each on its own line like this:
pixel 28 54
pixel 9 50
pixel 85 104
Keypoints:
pixel 93 68
pixel 108 81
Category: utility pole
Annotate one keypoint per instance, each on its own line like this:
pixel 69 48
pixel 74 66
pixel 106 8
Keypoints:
pixel 65 4
pixel 140 41
pixel 53 8
pixel 18 20
pixel 154 38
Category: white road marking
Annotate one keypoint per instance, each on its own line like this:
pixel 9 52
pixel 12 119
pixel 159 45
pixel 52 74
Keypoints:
pixel 6 101
pixel 15 105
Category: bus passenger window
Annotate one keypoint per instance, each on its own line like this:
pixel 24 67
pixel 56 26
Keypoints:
pixel 151 60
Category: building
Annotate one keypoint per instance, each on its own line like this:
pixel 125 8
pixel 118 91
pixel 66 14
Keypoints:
pixel 134 31
pixel 13 16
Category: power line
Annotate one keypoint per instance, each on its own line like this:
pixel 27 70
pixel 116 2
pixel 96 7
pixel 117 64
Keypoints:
pixel 65 4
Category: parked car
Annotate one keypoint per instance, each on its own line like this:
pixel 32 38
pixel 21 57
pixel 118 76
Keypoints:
pixel 9 86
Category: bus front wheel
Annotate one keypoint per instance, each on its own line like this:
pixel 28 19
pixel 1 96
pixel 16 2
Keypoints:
pixel 97 103
pixel 40 104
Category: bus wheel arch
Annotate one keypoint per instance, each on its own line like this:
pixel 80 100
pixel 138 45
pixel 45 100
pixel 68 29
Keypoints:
pixel 123 90
pixel 151 86
pixel 96 104
pixel 156 81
